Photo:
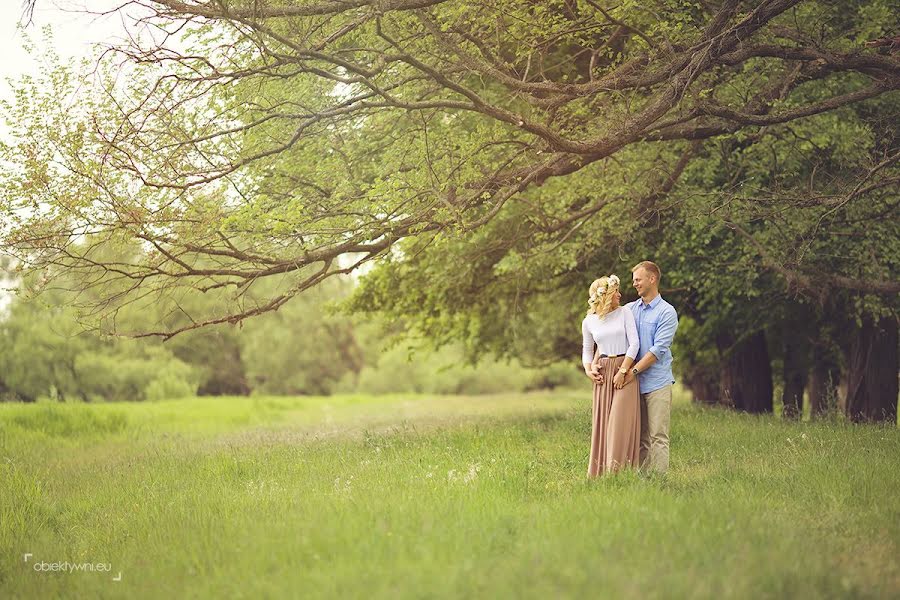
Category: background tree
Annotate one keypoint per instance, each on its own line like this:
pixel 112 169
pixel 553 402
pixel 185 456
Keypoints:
pixel 492 157
pixel 45 352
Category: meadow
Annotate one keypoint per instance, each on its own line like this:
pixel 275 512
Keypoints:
pixel 436 497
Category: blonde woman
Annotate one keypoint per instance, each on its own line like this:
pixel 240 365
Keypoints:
pixel 616 416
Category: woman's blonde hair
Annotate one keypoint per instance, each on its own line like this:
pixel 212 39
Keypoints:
pixel 601 295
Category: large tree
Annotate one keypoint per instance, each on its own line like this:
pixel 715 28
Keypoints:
pixel 492 157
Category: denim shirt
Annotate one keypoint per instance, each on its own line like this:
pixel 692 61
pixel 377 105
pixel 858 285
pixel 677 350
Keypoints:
pixel 656 325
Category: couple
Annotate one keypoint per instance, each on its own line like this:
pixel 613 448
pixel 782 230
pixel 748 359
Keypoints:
pixel 632 373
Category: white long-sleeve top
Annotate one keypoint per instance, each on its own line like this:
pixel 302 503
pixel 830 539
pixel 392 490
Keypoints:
pixel 614 334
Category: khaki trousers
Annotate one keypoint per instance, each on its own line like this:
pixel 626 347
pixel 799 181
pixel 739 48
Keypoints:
pixel 656 407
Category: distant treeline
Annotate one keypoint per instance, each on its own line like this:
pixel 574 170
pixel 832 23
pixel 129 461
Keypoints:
pixel 302 349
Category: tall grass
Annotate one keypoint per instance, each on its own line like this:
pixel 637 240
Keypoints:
pixel 415 496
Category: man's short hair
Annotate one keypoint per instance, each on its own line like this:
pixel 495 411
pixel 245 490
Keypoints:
pixel 650 267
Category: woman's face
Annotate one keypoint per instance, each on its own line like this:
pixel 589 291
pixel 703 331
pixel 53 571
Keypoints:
pixel 617 297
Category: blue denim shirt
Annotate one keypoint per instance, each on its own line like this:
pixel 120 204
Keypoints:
pixel 656 325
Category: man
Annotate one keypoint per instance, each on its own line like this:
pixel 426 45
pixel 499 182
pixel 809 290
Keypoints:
pixel 656 324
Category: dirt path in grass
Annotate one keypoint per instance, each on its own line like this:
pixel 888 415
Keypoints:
pixel 399 416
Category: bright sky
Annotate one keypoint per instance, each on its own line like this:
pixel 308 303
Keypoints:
pixel 74 31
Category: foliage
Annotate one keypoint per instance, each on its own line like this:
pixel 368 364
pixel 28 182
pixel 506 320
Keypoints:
pixel 305 348
pixel 45 352
pixel 300 142
pixel 489 159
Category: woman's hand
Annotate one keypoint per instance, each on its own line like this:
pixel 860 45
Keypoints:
pixel 594 373
pixel 619 380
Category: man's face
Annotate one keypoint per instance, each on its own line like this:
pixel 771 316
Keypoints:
pixel 641 281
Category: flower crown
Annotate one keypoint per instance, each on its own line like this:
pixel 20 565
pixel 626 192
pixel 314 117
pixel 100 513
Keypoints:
pixel 611 281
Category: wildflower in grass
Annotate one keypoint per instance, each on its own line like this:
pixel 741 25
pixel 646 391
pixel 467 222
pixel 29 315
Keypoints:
pixel 262 488
pixel 468 477
pixel 343 488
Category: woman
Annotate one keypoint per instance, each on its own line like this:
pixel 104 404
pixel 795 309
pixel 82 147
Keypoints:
pixel 616 423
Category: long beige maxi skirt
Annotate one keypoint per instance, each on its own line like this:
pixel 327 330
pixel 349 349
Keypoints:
pixel 616 422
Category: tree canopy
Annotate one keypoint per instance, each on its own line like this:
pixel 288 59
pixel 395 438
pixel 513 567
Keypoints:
pixel 480 163
pixel 275 136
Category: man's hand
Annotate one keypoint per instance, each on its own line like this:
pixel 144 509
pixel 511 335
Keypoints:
pixel 629 377
pixel 595 374
pixel 619 380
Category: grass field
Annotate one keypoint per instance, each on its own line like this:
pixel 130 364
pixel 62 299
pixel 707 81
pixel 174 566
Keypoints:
pixel 436 497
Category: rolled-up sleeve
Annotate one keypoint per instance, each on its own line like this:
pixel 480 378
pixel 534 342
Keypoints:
pixel 587 344
pixel 665 333
pixel 631 335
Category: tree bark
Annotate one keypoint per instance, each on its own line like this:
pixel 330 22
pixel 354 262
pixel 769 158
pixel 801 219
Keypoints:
pixel 824 378
pixel 703 384
pixel 746 373
pixel 872 372
pixel 794 373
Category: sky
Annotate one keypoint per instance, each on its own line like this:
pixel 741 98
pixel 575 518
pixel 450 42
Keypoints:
pixel 74 31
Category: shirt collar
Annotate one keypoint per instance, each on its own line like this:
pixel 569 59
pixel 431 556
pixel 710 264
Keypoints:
pixel 653 303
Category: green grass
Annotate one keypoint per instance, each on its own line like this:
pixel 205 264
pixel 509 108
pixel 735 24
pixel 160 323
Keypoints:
pixel 428 497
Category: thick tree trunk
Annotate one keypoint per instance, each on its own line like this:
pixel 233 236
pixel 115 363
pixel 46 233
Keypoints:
pixel 872 372
pixel 746 373
pixel 703 385
pixel 824 378
pixel 794 373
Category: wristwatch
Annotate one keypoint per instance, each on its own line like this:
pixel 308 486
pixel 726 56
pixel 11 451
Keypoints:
pixel 634 371
pixel 623 370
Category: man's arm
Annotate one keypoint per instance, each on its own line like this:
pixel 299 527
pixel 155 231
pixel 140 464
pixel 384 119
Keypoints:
pixel 645 363
pixel 665 333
